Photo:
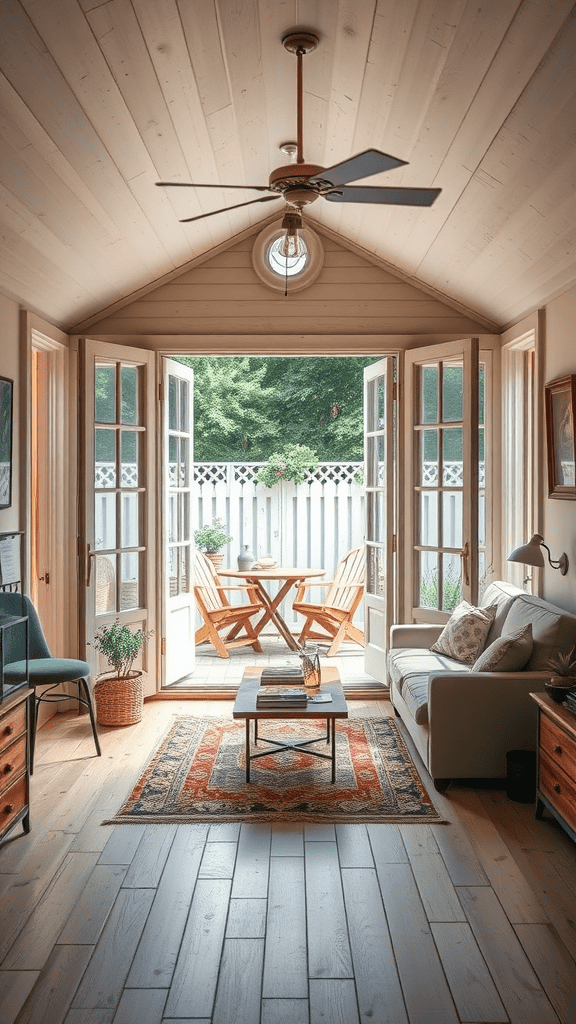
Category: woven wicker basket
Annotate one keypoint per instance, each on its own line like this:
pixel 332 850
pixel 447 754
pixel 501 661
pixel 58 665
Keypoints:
pixel 119 701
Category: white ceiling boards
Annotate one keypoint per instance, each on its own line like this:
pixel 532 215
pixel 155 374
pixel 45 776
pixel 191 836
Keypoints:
pixel 101 100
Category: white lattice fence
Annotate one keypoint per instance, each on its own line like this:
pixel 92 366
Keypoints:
pixel 309 525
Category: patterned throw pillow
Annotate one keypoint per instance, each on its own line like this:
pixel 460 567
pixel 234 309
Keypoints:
pixel 464 635
pixel 508 653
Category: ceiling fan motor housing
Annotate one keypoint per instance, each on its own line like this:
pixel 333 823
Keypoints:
pixel 291 181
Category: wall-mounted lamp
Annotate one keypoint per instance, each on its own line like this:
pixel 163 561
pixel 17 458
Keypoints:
pixel 531 554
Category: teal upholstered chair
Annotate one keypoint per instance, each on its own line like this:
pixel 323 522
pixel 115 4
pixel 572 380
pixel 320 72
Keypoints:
pixel 45 672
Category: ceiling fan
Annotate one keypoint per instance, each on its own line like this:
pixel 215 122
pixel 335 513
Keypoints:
pixel 301 183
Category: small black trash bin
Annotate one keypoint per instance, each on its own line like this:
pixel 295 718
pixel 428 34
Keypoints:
pixel 521 776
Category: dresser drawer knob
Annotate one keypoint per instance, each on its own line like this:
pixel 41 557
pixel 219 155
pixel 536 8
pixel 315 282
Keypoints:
pixel 8 768
pixel 8 730
pixel 557 788
pixel 558 749
pixel 9 808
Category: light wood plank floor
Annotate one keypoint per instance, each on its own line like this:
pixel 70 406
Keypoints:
pixel 472 922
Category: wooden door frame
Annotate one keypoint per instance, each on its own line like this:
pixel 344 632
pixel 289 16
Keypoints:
pixel 60 432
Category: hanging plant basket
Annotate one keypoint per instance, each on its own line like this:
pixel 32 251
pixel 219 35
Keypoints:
pixel 119 701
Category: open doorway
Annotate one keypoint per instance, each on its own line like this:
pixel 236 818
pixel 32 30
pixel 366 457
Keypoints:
pixel 257 420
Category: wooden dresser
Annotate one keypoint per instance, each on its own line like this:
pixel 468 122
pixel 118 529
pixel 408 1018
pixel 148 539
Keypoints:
pixel 14 762
pixel 556 788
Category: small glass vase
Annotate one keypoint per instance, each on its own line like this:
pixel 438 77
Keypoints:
pixel 310 661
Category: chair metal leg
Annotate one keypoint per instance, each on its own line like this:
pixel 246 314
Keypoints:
pixel 83 684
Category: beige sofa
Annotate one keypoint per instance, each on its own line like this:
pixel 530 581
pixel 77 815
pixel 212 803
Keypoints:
pixel 464 722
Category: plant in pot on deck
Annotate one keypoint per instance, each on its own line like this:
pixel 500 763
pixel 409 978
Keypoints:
pixel 119 692
pixel 210 539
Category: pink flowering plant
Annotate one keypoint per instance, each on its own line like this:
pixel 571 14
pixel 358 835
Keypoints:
pixel 292 463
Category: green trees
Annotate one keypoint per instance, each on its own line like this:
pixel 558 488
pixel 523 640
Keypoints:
pixel 248 408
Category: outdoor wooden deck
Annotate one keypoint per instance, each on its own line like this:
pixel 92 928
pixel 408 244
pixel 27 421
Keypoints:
pixel 213 674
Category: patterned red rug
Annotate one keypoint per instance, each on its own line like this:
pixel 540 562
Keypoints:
pixel 198 774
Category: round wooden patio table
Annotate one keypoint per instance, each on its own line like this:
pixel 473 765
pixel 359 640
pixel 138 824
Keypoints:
pixel 289 578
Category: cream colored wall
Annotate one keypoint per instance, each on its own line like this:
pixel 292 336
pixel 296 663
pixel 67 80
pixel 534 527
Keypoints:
pixel 225 297
pixel 560 516
pixel 10 367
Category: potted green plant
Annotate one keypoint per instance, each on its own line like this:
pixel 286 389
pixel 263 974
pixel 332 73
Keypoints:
pixel 292 463
pixel 564 679
pixel 210 539
pixel 119 692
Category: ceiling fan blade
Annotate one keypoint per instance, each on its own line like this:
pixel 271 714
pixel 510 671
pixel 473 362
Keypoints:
pixel 372 161
pixel 386 196
pixel 224 209
pixel 189 184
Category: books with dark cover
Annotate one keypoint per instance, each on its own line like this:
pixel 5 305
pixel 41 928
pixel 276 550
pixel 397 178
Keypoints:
pixel 278 696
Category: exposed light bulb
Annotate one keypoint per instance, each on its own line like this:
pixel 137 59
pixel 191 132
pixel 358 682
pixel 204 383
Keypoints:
pixel 292 244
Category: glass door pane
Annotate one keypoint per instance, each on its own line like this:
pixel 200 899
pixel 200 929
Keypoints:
pixel 118 507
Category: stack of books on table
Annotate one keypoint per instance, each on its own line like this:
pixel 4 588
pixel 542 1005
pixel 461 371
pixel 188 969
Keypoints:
pixel 282 675
pixel 281 697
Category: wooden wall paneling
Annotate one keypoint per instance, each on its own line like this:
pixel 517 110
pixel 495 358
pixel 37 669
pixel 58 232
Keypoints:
pixel 469 47
pixel 238 24
pixel 529 36
pixel 46 225
pixel 52 101
pixel 352 41
pixel 177 80
pixel 41 152
pixel 212 83
pixel 429 36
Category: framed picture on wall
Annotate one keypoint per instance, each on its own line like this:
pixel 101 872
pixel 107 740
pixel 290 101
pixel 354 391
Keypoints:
pixel 6 413
pixel 560 398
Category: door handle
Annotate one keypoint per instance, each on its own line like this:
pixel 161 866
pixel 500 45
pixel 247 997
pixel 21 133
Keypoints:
pixel 465 555
pixel 89 556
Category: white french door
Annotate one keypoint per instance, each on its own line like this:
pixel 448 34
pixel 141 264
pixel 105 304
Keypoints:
pixel 379 483
pixel 117 520
pixel 177 473
pixel 444 504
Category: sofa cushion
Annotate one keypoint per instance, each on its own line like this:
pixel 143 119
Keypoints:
pixel 464 635
pixel 553 630
pixel 409 669
pixel 508 653
pixel 407 661
pixel 415 696
pixel 502 595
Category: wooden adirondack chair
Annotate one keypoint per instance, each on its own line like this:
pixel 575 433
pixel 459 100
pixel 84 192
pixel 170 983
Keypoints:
pixel 219 614
pixel 336 613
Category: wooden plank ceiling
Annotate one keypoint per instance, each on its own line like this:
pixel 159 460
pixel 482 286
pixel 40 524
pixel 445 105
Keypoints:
pixel 99 99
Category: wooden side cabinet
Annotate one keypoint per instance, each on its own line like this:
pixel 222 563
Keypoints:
pixel 15 762
pixel 556 787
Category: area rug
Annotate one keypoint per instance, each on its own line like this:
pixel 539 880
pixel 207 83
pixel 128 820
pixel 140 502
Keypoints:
pixel 198 774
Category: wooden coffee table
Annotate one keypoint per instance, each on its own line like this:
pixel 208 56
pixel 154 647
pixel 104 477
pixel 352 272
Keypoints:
pixel 245 707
